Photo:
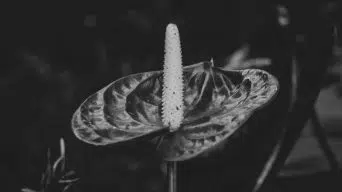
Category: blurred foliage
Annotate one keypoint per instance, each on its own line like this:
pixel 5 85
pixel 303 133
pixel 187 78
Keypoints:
pixel 57 57
pixel 56 177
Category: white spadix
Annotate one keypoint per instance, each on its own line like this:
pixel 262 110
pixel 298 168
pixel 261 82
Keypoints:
pixel 172 98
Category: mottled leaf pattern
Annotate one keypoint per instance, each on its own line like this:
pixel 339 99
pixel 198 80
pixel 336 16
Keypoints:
pixel 217 102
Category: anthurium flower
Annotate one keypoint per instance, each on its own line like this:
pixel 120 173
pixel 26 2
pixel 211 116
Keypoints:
pixel 216 103
pixel 208 106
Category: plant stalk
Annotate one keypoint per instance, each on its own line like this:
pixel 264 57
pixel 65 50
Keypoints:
pixel 172 176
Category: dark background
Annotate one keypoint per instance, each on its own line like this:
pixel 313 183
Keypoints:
pixel 57 55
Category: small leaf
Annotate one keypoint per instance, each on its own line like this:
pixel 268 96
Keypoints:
pixel 28 190
pixel 69 180
pixel 67 187
pixel 237 58
pixel 69 173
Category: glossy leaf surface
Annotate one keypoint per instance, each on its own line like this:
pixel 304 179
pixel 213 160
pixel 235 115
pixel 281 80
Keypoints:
pixel 217 102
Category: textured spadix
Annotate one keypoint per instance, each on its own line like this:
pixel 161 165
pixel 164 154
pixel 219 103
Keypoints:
pixel 172 98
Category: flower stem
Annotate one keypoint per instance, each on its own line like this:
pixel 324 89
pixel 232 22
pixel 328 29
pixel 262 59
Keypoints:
pixel 172 175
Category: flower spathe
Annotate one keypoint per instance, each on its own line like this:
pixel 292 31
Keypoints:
pixel 202 105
